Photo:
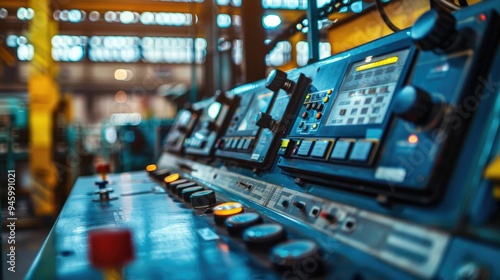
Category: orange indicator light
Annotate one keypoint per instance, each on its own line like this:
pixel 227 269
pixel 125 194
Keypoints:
pixel 151 167
pixel 171 178
pixel 228 209
pixel 413 139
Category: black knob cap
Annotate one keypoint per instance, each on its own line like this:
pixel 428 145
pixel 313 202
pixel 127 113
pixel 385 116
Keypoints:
pixel 203 199
pixel 221 97
pixel 211 125
pixel 434 30
pixel 277 80
pixel 187 192
pixel 181 187
pixel 414 105
pixel 265 121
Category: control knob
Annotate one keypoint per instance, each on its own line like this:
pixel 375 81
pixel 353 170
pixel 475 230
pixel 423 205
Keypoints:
pixel 187 192
pixel 160 174
pixel 173 185
pixel 203 199
pixel 225 210
pixel 298 254
pixel 435 30
pixel 178 190
pixel 277 80
pixel 264 236
pixel 266 121
pixel 238 223
pixel 414 105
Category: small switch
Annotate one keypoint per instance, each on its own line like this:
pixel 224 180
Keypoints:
pixel 305 115
pixel 301 205
pixel 285 203
pixel 329 217
pixel 315 210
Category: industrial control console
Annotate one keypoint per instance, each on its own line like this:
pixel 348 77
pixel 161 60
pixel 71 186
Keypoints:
pixel 381 162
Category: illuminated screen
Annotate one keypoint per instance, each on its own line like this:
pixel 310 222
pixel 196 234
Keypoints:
pixel 367 90
pixel 259 105
pixel 213 110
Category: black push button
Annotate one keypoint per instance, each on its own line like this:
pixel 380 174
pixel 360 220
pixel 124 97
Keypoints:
pixel 340 150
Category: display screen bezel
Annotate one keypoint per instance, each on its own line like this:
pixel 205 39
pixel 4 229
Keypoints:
pixel 360 130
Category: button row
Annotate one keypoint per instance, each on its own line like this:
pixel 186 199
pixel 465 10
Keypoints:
pixel 236 143
pixel 317 96
pixel 185 189
pixel 250 227
pixel 195 143
pixel 315 106
pixel 343 149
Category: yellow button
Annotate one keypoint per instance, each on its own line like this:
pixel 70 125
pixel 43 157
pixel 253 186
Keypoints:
pixel 228 209
pixel 284 143
pixel 326 99
pixel 151 168
pixel 329 91
pixel 308 97
pixel 315 126
pixel 172 178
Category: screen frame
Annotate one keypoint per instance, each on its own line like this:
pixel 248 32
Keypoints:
pixel 361 130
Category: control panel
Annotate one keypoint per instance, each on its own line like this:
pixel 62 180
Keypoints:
pixel 212 121
pixel 380 162
pixel 261 119
pixel 383 117
pixel 181 129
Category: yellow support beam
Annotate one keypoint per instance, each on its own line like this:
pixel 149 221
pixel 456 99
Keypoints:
pixel 43 99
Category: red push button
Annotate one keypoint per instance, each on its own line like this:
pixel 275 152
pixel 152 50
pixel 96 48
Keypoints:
pixel 110 248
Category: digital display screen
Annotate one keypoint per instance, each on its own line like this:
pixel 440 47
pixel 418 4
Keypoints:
pixel 367 90
pixel 259 104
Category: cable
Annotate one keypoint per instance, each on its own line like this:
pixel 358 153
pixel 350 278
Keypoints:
pixel 384 16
